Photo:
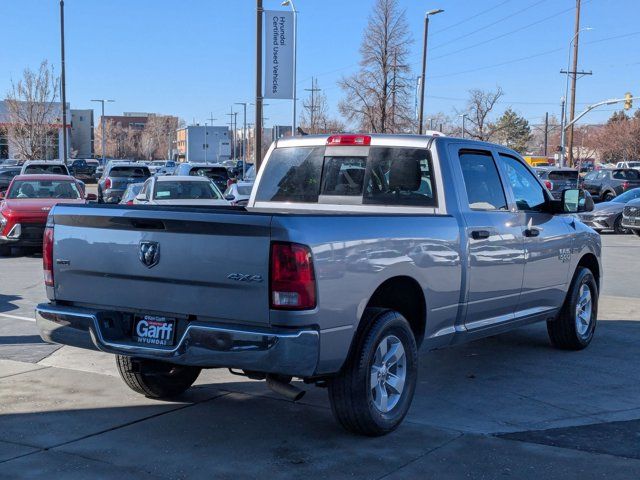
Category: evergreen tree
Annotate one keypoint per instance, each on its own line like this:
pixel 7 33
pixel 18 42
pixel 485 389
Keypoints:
pixel 513 131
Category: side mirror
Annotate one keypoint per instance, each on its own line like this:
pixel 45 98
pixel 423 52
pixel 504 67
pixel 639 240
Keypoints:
pixel 92 197
pixel 141 197
pixel 576 200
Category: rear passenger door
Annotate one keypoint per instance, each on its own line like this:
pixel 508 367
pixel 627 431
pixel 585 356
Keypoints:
pixel 547 240
pixel 494 240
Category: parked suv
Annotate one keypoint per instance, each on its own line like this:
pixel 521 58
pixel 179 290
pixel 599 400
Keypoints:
pixel 117 176
pixel 605 185
pixel 558 180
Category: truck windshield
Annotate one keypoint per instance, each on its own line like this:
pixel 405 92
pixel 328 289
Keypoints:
pixel 46 169
pixel 381 176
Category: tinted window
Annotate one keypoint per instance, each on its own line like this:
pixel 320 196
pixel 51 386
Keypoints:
pixel 563 175
pixel 399 176
pixel 292 175
pixel 626 174
pixel 46 169
pixel 141 172
pixel 244 190
pixel 591 176
pixel 527 191
pixel 210 172
pixel 343 176
pixel 482 181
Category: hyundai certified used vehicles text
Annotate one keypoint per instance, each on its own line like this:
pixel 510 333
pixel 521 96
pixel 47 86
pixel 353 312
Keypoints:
pixel 353 252
pixel 25 206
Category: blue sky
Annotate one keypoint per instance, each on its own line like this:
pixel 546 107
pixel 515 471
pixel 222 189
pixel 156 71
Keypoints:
pixel 193 57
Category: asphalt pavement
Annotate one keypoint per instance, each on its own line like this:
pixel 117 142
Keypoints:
pixel 508 406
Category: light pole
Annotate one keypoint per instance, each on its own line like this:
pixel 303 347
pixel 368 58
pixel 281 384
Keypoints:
pixel 424 66
pixel 244 137
pixel 566 91
pixel 258 120
pixel 295 59
pixel 63 85
pixel 102 127
pixel 464 116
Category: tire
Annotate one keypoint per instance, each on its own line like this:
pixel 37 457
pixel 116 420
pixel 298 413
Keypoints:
pixel 618 228
pixel 5 251
pixel 636 233
pixel 568 331
pixel 354 403
pixel 155 379
pixel 607 197
pixel 100 196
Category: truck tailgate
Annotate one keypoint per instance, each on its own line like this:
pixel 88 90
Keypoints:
pixel 211 264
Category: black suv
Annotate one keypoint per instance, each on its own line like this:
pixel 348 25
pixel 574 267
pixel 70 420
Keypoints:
pixel 605 185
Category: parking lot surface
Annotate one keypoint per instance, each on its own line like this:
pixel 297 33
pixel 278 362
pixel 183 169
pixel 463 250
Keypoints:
pixel 508 406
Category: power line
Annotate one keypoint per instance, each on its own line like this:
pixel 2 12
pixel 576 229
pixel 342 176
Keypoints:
pixel 472 17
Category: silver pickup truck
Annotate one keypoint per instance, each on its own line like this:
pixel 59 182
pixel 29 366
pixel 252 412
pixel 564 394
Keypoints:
pixel 354 250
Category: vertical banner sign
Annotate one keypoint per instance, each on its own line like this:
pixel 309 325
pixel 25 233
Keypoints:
pixel 278 41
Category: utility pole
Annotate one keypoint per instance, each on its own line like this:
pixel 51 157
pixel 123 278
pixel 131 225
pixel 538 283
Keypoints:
pixel 572 107
pixel 244 137
pixel 464 117
pixel 102 128
pixel 235 140
pixel 232 132
pixel 424 67
pixel 63 86
pixel 314 88
pixel 546 132
pixel 258 134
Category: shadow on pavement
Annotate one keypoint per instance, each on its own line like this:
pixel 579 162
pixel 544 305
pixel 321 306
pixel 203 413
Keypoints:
pixel 6 304
pixel 20 339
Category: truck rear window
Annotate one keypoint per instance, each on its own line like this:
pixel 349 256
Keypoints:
pixel 141 172
pixel 626 174
pixel 386 176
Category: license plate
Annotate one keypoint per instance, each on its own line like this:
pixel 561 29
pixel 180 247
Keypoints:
pixel 153 330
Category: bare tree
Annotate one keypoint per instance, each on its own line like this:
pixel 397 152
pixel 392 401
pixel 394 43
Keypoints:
pixel 378 96
pixel 32 112
pixel 479 107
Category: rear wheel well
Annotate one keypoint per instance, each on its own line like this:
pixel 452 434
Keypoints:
pixel 405 296
pixel 591 262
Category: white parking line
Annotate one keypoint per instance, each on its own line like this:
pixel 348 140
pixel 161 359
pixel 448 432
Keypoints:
pixel 16 317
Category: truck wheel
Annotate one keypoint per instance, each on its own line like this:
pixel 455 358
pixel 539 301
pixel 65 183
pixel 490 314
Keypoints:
pixel 373 392
pixel 617 226
pixel 574 327
pixel 155 379
pixel 609 196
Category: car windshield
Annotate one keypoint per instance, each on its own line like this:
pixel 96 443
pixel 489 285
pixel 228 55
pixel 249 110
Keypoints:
pixel 185 190
pixel 136 172
pixel 628 196
pixel 45 169
pixel 44 189
pixel 563 175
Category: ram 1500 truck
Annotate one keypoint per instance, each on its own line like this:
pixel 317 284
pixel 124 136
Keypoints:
pixel 353 251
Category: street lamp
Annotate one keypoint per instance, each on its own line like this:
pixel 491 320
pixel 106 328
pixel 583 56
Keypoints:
pixel 424 65
pixel 244 136
pixel 295 59
pixel 102 126
pixel 563 120
pixel 464 116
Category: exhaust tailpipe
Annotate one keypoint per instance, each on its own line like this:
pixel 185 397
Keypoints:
pixel 285 388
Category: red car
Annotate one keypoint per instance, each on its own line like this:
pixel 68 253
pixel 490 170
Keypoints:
pixel 25 205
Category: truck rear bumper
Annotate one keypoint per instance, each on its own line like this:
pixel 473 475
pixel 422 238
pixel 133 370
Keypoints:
pixel 293 353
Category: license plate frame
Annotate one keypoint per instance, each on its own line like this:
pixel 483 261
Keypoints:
pixel 154 330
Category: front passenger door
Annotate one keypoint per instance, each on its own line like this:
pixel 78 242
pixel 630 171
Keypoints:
pixel 547 241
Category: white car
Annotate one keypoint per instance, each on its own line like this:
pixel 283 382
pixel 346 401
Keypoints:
pixel 634 164
pixel 179 190
pixel 42 167
pixel 238 193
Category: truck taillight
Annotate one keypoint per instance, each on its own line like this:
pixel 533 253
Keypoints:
pixel 625 185
pixel 292 278
pixel 548 184
pixel 107 183
pixel 47 255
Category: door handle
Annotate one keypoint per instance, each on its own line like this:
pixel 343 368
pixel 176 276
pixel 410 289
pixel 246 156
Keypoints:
pixel 480 234
pixel 532 232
